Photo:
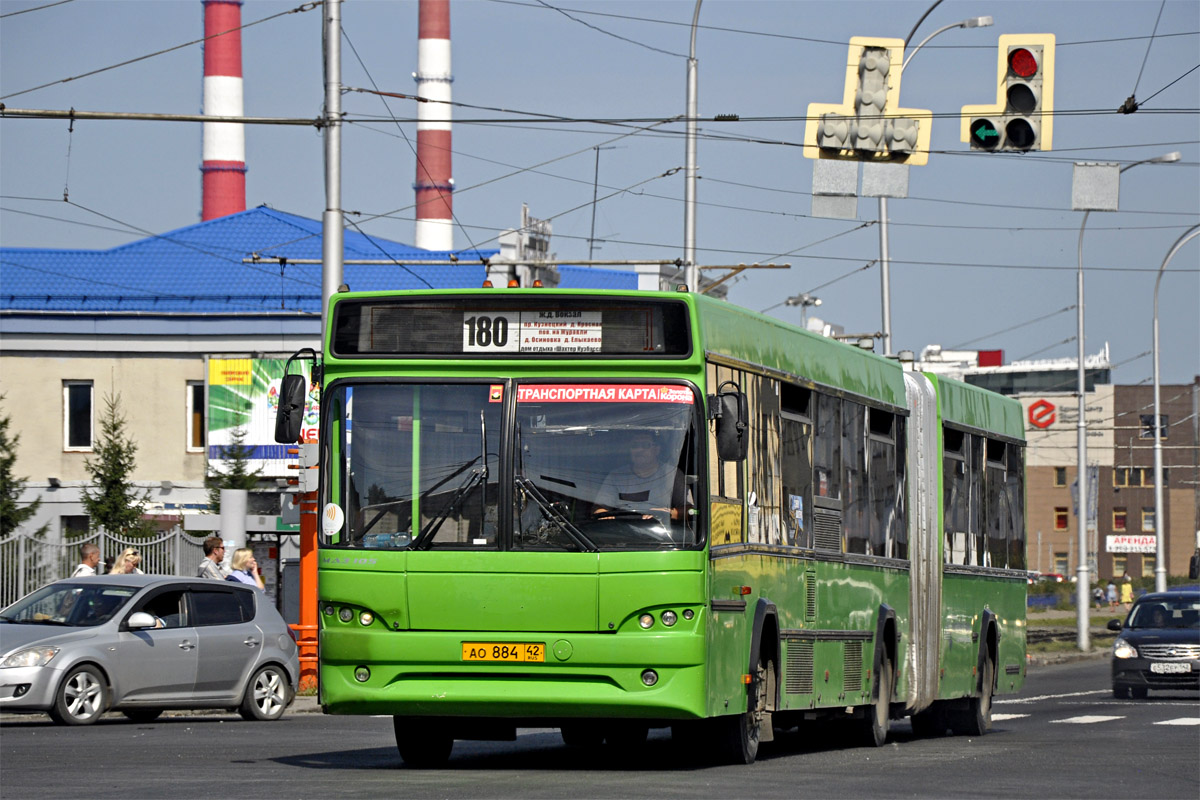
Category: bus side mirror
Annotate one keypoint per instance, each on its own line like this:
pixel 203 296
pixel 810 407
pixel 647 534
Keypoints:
pixel 290 415
pixel 733 432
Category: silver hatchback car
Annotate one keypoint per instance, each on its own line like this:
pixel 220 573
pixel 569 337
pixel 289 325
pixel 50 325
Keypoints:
pixel 140 644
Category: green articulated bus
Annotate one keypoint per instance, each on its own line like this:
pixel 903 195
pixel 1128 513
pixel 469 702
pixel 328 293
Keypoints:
pixel 605 512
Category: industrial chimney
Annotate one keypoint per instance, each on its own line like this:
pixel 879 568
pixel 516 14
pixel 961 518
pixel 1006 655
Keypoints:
pixel 224 167
pixel 433 186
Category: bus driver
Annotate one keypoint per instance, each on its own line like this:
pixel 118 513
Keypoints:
pixel 647 485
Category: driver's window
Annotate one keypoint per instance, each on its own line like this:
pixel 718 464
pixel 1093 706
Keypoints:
pixel 167 608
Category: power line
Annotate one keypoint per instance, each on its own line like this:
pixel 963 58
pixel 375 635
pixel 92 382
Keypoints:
pixel 35 8
pixel 299 9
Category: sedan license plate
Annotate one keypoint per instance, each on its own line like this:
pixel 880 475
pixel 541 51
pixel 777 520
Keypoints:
pixel 1170 668
pixel 503 651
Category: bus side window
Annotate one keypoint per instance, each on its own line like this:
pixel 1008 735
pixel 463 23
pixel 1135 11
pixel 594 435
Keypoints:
pixel 796 470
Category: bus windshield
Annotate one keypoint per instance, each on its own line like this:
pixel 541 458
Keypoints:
pixel 605 466
pixel 594 466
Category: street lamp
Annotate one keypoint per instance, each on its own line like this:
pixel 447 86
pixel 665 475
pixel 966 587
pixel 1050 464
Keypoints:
pixel 804 300
pixel 884 257
pixel 1160 567
pixel 692 273
pixel 1081 582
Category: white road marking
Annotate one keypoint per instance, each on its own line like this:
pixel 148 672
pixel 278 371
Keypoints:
pixel 1180 721
pixel 1085 720
pixel 1003 717
pixel 1020 700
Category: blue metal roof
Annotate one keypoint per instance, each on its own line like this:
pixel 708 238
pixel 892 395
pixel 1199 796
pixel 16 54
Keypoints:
pixel 199 269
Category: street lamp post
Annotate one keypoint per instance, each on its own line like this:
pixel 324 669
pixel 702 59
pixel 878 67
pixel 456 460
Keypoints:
pixel 804 300
pixel 1160 549
pixel 1082 581
pixel 692 273
pixel 885 260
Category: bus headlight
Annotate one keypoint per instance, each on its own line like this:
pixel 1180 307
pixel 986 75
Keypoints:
pixel 1123 649
pixel 669 618
pixel 646 620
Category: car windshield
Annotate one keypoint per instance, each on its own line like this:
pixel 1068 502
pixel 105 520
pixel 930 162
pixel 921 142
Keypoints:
pixel 1159 613
pixel 75 605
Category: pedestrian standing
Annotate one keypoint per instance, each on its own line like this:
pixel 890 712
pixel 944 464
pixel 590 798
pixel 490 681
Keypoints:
pixel 1127 592
pixel 1111 594
pixel 89 559
pixel 210 565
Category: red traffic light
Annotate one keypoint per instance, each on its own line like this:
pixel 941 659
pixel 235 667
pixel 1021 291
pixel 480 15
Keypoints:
pixel 1022 62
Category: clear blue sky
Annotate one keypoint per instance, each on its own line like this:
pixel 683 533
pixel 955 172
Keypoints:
pixel 983 251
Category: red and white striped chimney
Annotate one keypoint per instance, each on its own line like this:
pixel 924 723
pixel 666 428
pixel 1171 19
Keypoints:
pixel 433 186
pixel 224 167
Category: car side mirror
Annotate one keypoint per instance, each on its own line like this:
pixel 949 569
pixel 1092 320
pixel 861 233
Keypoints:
pixel 139 620
pixel 1114 624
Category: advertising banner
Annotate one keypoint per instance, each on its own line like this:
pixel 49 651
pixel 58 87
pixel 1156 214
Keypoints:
pixel 1131 543
pixel 243 395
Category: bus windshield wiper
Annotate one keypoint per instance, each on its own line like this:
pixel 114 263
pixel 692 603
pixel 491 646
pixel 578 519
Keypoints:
pixel 474 479
pixel 554 515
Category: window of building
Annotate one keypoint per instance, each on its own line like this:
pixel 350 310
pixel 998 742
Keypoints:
pixel 77 415
pixel 1120 564
pixel 1164 424
pixel 195 416
pixel 1061 563
pixel 1149 563
pixel 1060 476
pixel 1061 518
pixel 1147 520
pixel 1134 477
pixel 73 526
pixel 1120 516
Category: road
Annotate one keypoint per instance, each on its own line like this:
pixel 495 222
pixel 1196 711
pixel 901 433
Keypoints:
pixel 1064 736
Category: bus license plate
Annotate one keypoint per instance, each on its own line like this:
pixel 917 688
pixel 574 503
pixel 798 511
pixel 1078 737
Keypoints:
pixel 1168 668
pixel 503 651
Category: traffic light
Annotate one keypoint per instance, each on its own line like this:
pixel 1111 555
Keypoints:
pixel 1021 119
pixel 868 125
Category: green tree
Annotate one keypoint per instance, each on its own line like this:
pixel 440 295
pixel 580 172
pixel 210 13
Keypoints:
pixel 112 501
pixel 238 475
pixel 11 515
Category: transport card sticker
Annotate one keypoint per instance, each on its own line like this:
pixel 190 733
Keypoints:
pixel 332 519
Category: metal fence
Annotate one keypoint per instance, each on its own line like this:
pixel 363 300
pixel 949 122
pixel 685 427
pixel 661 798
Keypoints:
pixel 27 563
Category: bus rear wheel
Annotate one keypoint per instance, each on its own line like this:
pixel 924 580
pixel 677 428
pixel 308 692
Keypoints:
pixel 423 743
pixel 976 720
pixel 879 713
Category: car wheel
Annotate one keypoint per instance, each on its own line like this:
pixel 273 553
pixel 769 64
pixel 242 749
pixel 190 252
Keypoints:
pixel 267 695
pixel 1139 692
pixel 142 714
pixel 81 698
pixel 1120 692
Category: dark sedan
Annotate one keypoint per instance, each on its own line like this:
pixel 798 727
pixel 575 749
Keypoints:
pixel 140 644
pixel 1158 646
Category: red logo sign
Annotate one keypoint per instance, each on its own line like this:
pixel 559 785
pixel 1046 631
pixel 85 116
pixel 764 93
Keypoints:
pixel 1042 414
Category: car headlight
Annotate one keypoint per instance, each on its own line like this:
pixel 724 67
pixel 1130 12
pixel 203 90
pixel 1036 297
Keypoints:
pixel 32 657
pixel 1123 649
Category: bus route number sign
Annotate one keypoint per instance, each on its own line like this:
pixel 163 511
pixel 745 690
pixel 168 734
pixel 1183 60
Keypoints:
pixel 504 651
pixel 543 331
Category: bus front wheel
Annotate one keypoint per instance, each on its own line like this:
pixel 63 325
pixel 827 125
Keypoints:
pixel 742 732
pixel 423 743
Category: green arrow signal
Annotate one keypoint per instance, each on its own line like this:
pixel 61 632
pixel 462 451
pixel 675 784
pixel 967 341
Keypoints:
pixel 984 134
